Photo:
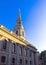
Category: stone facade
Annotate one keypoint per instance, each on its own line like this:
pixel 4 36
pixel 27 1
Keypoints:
pixel 42 58
pixel 14 49
pixel 23 55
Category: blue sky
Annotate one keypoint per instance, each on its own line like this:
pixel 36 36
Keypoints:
pixel 33 17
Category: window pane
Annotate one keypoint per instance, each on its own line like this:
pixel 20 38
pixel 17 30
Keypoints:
pixel 20 61
pixel 30 63
pixel 3 58
pixel 25 61
pixel 13 60
pixel 30 53
pixel 17 32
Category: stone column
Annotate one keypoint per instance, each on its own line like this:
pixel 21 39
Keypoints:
pixel 36 58
pixel 32 58
pixel 9 52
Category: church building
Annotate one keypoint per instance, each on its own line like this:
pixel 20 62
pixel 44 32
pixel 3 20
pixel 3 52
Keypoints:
pixel 14 48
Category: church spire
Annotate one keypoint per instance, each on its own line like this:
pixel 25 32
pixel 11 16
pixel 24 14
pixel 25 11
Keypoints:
pixel 19 21
pixel 19 29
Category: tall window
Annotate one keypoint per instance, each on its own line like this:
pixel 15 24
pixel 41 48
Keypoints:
pixel 26 52
pixel 30 62
pixel 5 44
pixel 30 53
pixel 14 48
pixel 17 32
pixel 13 60
pixel 3 59
pixel 20 51
pixel 20 61
pixel 26 62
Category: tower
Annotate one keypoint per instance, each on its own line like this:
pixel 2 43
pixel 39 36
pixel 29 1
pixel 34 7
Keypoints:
pixel 19 29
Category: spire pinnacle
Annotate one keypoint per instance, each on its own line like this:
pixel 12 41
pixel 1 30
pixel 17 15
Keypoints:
pixel 19 14
pixel 19 21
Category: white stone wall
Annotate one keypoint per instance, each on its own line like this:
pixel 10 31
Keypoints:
pixel 9 54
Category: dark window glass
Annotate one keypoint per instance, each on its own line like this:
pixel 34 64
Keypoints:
pixel 13 60
pixel 30 63
pixel 17 32
pixel 25 61
pixel 4 44
pixel 3 59
pixel 20 61
pixel 26 52
pixel 30 53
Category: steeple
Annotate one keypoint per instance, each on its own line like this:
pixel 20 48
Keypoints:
pixel 19 21
pixel 19 29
